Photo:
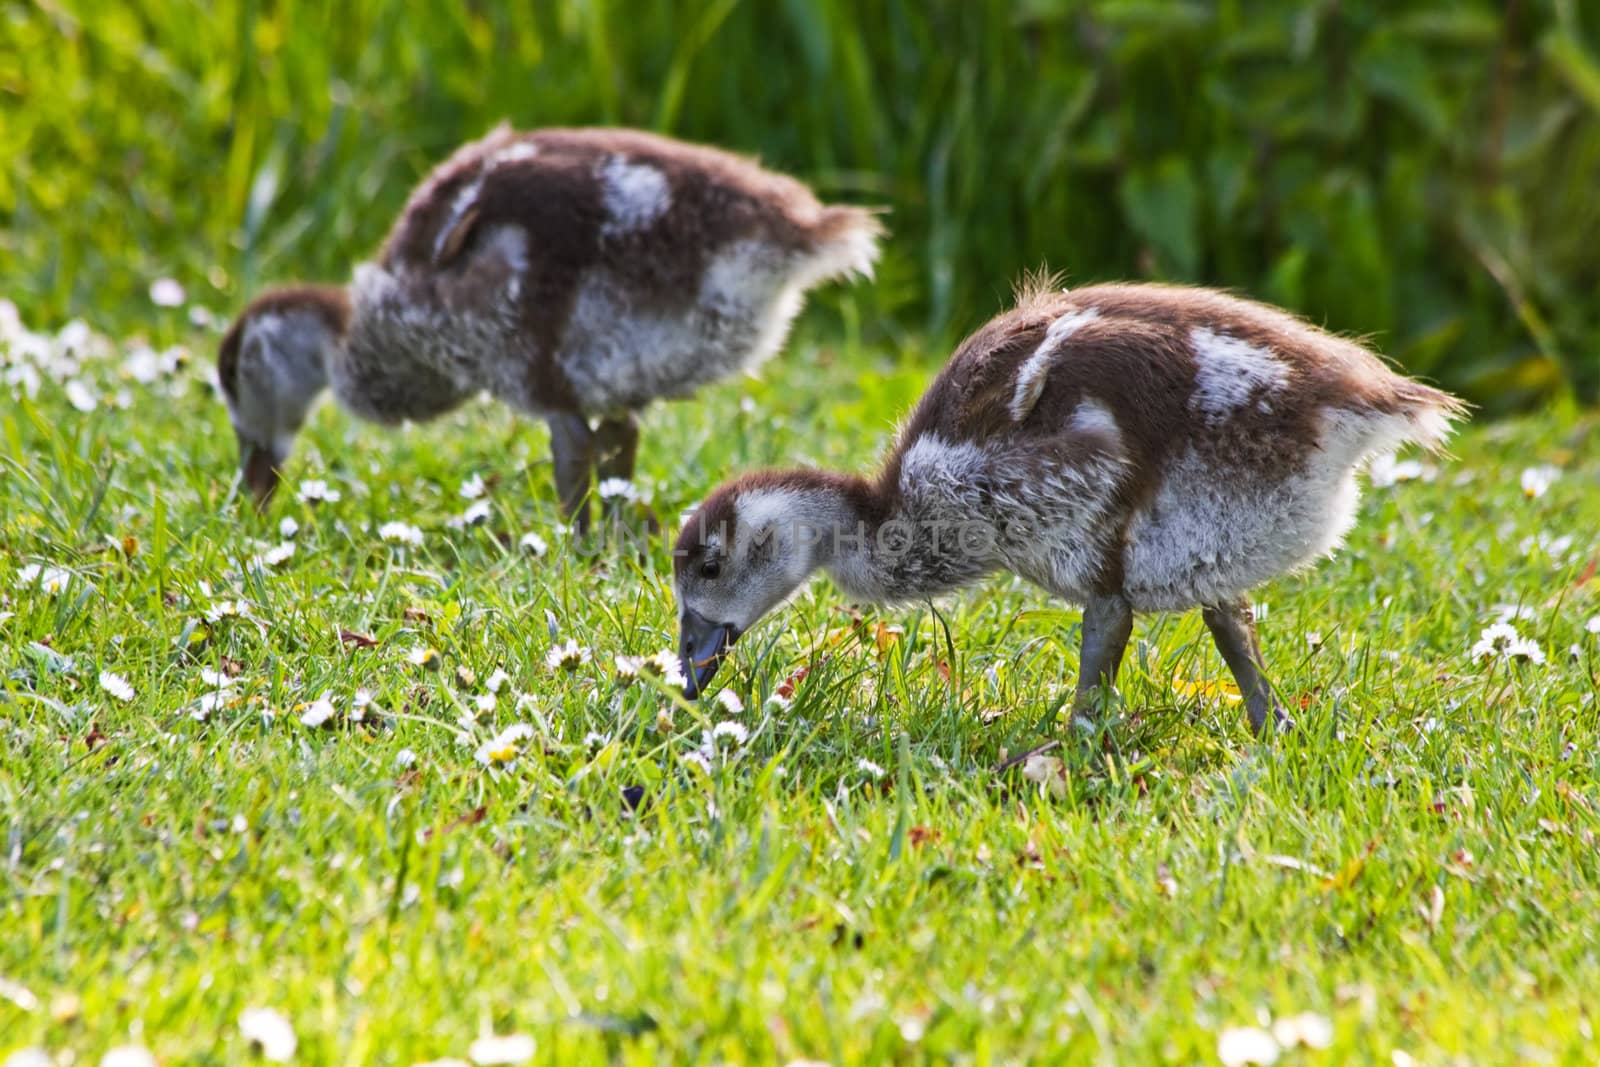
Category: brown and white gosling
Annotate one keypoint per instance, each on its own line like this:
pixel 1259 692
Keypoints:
pixel 1127 447
pixel 575 274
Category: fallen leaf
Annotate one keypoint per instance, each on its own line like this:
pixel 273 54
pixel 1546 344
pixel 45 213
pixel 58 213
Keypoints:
pixel 94 737
pixel 350 637
pixel 922 835
pixel 885 636
pixel 1433 909
pixel 1347 875
pixel 1293 864
pixel 1206 688
pixel 786 688
pixel 1049 772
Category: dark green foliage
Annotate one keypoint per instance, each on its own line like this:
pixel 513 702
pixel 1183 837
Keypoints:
pixel 1422 173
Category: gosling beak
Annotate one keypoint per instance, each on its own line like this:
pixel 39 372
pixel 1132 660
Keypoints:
pixel 702 645
pixel 259 468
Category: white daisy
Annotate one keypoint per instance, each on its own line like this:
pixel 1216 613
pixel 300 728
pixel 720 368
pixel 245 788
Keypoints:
pixel 288 528
pixel 567 656
pixel 316 491
pixel 278 555
pixel 1239 1046
pixel 730 702
pixel 116 685
pixel 401 533
pixel 1536 481
pixel 1526 650
pixel 319 712
pixel 476 514
pixel 532 542
pixel 227 609
pixel 270 1032
pixel 663 665
pixel 1554 547
pixel 81 397
pixel 485 703
pixel 1385 471
pixel 1593 625
pixel 1493 640
pixel 472 488
pixel 734 730
pixel 404 758
pixel 207 703
pixel 619 488
pixel 50 580
pixel 167 293
pixel 1307 1028
pixel 426 658
pixel 496 681
pixel 504 748
pixel 869 768
pixel 1501 641
pixel 501 1049
pixel 128 1056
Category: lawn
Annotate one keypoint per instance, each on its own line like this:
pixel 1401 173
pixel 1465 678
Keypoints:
pixel 841 875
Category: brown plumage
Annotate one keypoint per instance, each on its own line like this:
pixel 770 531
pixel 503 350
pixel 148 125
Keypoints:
pixel 1127 447
pixel 576 274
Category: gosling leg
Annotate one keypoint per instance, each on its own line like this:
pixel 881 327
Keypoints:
pixel 572 451
pixel 1107 625
pixel 1234 630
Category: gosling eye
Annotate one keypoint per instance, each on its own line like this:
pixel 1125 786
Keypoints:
pixel 711 569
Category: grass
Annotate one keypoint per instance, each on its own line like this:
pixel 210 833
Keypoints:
pixel 1419 866
pixel 1413 170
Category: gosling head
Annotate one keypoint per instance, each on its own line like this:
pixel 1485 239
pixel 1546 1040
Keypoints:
pixel 741 554
pixel 272 365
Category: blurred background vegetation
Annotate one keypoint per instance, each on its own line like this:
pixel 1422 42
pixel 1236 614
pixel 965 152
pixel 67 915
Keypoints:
pixel 1425 174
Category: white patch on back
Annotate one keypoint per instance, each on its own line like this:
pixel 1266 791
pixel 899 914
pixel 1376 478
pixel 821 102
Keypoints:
pixel 634 195
pixel 1230 374
pixel 510 243
pixel 1035 370
pixel 1091 416
pixel 514 153
pixel 465 198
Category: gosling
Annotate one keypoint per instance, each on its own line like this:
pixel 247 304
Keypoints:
pixel 575 274
pixel 1129 448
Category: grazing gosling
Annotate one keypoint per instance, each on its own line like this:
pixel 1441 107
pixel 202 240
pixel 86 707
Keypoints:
pixel 1126 447
pixel 575 274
